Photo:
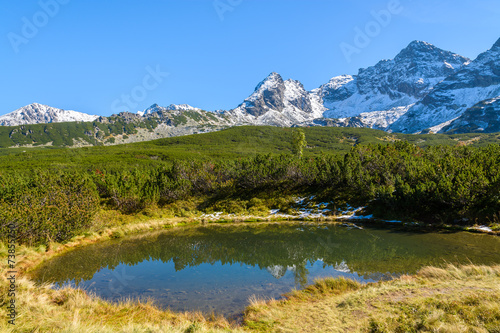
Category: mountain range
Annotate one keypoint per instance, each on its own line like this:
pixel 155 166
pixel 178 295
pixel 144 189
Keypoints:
pixel 422 90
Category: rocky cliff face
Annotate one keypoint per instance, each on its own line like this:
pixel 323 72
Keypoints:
pixel 268 95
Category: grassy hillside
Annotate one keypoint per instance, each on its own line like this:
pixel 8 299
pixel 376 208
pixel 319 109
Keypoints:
pixel 231 143
pixel 66 134
pixel 123 127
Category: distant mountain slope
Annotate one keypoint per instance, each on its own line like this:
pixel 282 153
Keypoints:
pixel 483 117
pixel 125 127
pixel 38 113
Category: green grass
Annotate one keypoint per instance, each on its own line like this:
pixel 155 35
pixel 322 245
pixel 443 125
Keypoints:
pixel 232 143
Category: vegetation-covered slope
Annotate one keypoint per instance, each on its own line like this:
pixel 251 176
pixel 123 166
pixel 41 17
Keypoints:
pixel 231 143
pixel 438 184
pixel 128 127
pixel 69 134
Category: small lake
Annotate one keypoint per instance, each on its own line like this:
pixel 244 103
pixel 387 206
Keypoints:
pixel 217 268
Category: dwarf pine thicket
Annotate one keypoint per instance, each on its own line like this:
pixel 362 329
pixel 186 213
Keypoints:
pixel 439 184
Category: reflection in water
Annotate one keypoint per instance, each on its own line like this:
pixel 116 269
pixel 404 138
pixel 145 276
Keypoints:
pixel 217 268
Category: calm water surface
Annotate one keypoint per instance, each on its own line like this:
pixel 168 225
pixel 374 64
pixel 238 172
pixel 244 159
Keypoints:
pixel 217 268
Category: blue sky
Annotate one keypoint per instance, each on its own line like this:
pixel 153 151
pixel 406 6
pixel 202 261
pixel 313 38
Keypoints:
pixel 90 55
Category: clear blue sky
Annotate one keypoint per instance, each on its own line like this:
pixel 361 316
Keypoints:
pixel 85 55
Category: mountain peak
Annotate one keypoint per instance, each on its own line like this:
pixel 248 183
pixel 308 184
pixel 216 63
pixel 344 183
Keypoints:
pixel 37 105
pixel 181 107
pixel 153 108
pixel 268 95
pixel 497 44
pixel 273 75
pixel 420 44
pixel 172 107
pixel 423 52
pixel 416 48
pixel 271 81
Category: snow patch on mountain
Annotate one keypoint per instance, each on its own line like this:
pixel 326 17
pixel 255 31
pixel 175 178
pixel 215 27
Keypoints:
pixel 458 101
pixel 438 128
pixel 483 117
pixel 383 119
pixel 359 104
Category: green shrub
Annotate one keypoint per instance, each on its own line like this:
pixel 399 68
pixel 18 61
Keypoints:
pixel 47 206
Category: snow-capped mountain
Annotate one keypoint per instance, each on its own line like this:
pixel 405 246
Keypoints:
pixel 476 82
pixel 390 85
pixel 184 116
pixel 277 271
pixel 278 103
pixel 38 113
pixel 376 97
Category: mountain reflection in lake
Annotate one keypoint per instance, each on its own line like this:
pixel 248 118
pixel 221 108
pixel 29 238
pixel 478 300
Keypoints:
pixel 217 268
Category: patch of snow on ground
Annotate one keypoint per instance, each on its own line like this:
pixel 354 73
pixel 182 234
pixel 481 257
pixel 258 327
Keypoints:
pixel 306 212
pixel 483 228
pixel 350 214
pixel 213 216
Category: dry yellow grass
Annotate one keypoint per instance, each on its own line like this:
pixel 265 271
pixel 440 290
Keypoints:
pixel 451 299
pixel 42 309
